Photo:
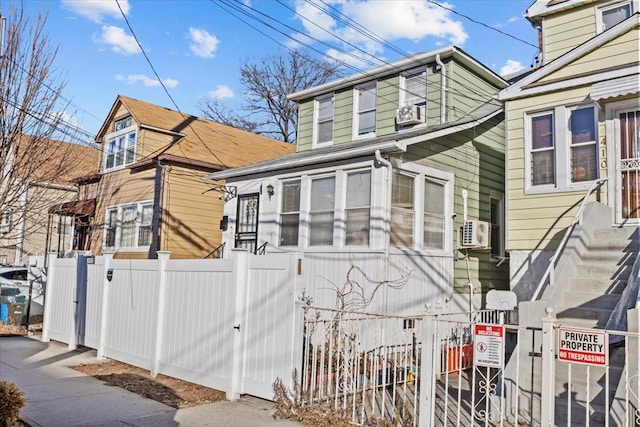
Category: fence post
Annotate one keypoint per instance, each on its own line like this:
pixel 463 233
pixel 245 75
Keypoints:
pixel 48 294
pixel 163 258
pixel 298 341
pixel 428 371
pixel 108 257
pixel 547 391
pixel 241 268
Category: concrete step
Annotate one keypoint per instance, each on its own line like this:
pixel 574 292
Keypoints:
pixel 617 233
pixel 609 256
pixel 597 285
pixel 589 317
pixel 605 270
pixel 589 300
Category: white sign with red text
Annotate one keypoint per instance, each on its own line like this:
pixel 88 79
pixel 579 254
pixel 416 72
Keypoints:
pixel 488 345
pixel 582 346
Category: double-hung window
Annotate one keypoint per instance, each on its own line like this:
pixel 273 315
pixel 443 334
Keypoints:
pixel 562 149
pixel 365 100
pixel 414 88
pixel 402 209
pixel 434 214
pixel 612 14
pixel 324 121
pixel 358 207
pixel 321 212
pixel 128 226
pixel 542 149
pixel 121 145
pixel 584 150
pixel 290 213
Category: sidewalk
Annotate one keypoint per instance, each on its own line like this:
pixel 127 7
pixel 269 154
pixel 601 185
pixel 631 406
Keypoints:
pixel 60 396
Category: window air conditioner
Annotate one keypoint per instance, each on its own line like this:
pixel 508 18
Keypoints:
pixel 410 115
pixel 475 234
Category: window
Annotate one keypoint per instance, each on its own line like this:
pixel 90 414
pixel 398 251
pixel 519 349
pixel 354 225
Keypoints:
pixel 121 147
pixel 365 100
pixel 324 120
pixel 434 214
pixel 322 211
pixel 542 150
pixel 612 14
pixel 128 226
pixel 402 209
pixel 122 123
pixel 414 88
pixel 562 149
pixel 290 213
pixel 584 164
pixel 497 226
pixel 7 221
pixel 358 207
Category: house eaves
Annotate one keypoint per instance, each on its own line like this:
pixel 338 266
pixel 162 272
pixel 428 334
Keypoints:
pixel 408 63
pixel 527 86
pixel 177 160
pixel 388 144
pixel 542 8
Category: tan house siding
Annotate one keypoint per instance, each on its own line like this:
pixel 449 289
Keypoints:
pixel 190 214
pixel 564 31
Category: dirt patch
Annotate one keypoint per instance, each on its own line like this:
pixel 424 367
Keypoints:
pixel 170 391
pixel 35 328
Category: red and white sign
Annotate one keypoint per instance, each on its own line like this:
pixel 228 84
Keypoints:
pixel 488 345
pixel 582 346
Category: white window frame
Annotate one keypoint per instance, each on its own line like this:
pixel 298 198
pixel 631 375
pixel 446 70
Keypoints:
pixel 118 226
pixel 421 174
pixel 357 112
pixel 501 223
pixel 343 213
pixel 7 221
pixel 562 148
pixel 317 120
pixel 283 213
pixel 331 210
pixel 410 100
pixel 111 140
pixel 633 5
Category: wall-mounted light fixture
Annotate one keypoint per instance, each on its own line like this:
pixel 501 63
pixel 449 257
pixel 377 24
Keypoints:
pixel 270 191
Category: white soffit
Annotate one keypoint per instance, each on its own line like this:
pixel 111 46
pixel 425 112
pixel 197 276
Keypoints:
pixel 621 86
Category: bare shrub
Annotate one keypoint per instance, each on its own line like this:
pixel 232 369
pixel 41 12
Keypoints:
pixel 11 402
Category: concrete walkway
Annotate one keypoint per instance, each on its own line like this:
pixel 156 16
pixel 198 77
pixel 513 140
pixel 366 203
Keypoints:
pixel 60 396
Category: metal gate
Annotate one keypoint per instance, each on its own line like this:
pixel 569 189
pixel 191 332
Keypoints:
pixel 247 222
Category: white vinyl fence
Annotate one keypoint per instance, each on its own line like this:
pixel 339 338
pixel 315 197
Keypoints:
pixel 226 324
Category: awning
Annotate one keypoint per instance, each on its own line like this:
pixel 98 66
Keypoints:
pixel 80 207
pixel 621 86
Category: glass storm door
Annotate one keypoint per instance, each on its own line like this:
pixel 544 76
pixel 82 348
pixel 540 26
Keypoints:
pixel 628 165
pixel 247 222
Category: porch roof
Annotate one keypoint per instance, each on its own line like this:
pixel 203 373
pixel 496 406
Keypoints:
pixel 77 208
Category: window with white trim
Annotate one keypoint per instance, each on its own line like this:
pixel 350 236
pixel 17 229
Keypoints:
pixel 120 146
pixel 434 214
pixel 414 88
pixel 7 221
pixel 613 13
pixel 128 226
pixel 497 225
pixel 323 134
pixel 358 208
pixel 402 209
pixel 290 213
pixel 321 212
pixel 365 109
pixel 562 149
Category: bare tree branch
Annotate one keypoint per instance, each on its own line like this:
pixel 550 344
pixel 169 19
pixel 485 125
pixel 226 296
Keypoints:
pixel 267 81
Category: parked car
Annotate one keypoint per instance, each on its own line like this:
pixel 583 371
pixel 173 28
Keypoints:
pixel 23 278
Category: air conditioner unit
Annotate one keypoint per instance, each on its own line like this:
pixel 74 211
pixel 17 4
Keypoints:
pixel 410 115
pixel 475 234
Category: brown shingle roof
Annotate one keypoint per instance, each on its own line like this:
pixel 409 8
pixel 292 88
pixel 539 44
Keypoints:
pixel 203 139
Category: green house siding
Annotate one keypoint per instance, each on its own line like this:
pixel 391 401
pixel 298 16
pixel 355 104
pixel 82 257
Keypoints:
pixel 476 158
pixel 466 91
pixel 305 126
pixel 388 101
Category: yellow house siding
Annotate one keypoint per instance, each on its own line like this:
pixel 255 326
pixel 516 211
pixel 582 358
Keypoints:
pixel 149 143
pixel 190 215
pixel 620 51
pixel 535 220
pixel 564 31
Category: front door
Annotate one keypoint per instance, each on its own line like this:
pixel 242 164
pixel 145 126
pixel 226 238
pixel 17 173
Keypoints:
pixel 628 166
pixel 247 222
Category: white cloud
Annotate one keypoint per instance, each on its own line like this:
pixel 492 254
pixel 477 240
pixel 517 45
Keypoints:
pixel 390 21
pixel 96 10
pixel 511 67
pixel 221 92
pixel 147 81
pixel 202 43
pixel 118 40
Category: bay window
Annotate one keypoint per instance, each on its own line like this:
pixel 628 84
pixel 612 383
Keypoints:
pixel 128 226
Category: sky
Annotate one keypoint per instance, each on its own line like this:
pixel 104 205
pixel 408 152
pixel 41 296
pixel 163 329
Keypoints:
pixel 196 46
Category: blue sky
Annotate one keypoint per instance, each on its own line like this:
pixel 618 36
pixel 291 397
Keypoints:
pixel 196 46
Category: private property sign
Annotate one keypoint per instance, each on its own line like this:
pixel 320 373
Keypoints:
pixel 488 347
pixel 588 347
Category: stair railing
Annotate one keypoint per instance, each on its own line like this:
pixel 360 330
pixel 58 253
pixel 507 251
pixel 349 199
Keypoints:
pixel 217 252
pixel 577 219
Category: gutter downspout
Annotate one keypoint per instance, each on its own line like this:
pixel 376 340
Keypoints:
pixel 443 89
pixel 387 216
